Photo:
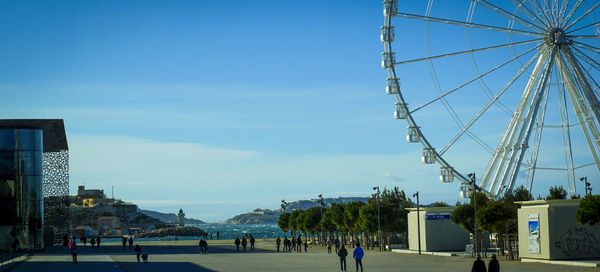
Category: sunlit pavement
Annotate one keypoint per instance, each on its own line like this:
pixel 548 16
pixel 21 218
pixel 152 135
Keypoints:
pixel 182 256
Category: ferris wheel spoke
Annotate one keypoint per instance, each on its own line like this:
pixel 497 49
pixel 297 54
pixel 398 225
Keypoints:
pixel 594 64
pixel 522 4
pixel 509 15
pixel 541 10
pixel 589 60
pixel 582 16
pixel 562 11
pixel 584 27
pixel 467 24
pixel 472 80
pixel 489 104
pixel 466 52
pixel 504 165
pixel 571 13
pixel 583 36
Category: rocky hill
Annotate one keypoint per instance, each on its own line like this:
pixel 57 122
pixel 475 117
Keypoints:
pixel 259 216
pixel 170 217
pixel 172 231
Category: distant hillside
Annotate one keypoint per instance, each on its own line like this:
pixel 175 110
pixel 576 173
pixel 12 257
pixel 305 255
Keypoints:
pixel 259 216
pixel 170 217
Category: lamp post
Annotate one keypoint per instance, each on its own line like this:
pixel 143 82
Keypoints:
pixel 418 221
pixel 587 185
pixel 322 201
pixel 474 189
pixel 376 189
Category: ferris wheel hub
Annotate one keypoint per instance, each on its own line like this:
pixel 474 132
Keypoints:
pixel 557 36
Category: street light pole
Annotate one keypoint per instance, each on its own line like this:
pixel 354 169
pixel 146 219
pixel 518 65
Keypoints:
pixel 475 231
pixel 376 188
pixel 418 221
pixel 321 223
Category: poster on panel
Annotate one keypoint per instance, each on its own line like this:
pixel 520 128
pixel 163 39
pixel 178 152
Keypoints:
pixel 534 233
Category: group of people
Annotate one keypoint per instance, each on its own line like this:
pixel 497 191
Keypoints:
pixel 358 254
pixel 479 265
pixel 93 241
pixel 291 244
pixel 124 239
pixel 244 242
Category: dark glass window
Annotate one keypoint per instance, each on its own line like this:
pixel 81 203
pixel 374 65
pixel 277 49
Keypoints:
pixel 7 139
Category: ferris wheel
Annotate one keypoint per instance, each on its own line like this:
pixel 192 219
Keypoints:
pixel 519 91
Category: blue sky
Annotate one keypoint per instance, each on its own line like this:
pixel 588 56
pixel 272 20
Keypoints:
pixel 220 107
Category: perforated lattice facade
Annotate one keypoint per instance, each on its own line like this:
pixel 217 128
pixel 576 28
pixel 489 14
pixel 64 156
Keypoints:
pixel 56 196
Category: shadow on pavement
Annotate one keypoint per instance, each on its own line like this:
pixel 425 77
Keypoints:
pixel 107 266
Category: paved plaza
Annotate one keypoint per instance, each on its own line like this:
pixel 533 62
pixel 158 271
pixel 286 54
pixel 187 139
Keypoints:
pixel 184 256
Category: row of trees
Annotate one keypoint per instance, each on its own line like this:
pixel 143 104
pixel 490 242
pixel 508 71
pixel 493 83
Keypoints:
pixel 494 216
pixel 351 218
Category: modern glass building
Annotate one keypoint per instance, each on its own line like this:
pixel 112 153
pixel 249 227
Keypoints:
pixel 22 145
pixel 21 193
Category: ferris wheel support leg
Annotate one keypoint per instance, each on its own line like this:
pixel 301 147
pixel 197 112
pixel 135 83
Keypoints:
pixel 510 172
pixel 566 136
pixel 506 146
pixel 583 112
pixel 537 139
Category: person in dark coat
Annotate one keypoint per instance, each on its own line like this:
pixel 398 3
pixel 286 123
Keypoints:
pixel 74 251
pixel 65 240
pixel 252 240
pixel 478 265
pixel 138 252
pixel 278 243
pixel 124 242
pixel 342 253
pixel 130 241
pixel 336 242
pixel 358 255
pixel 98 242
pixel 493 265
pixel 92 242
pixel 299 244
pixel 237 243
pixel 244 243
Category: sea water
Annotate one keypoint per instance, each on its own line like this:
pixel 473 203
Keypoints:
pixel 226 231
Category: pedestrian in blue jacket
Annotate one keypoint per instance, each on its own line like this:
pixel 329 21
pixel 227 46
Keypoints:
pixel 358 255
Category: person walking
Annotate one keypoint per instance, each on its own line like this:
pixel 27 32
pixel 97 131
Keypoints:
pixel 73 248
pixel 83 240
pixel 478 265
pixel 252 242
pixel 237 243
pixel 200 245
pixel 336 242
pixel 342 253
pixel 92 242
pixel 130 241
pixel 358 255
pixel 329 244
pixel 138 252
pixel 305 245
pixel 285 244
pixel 218 235
pixel 124 239
pixel 290 244
pixel 293 242
pixel 493 265
pixel 278 243
pixel 98 242
pixel 244 243
pixel 205 246
pixel 299 243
